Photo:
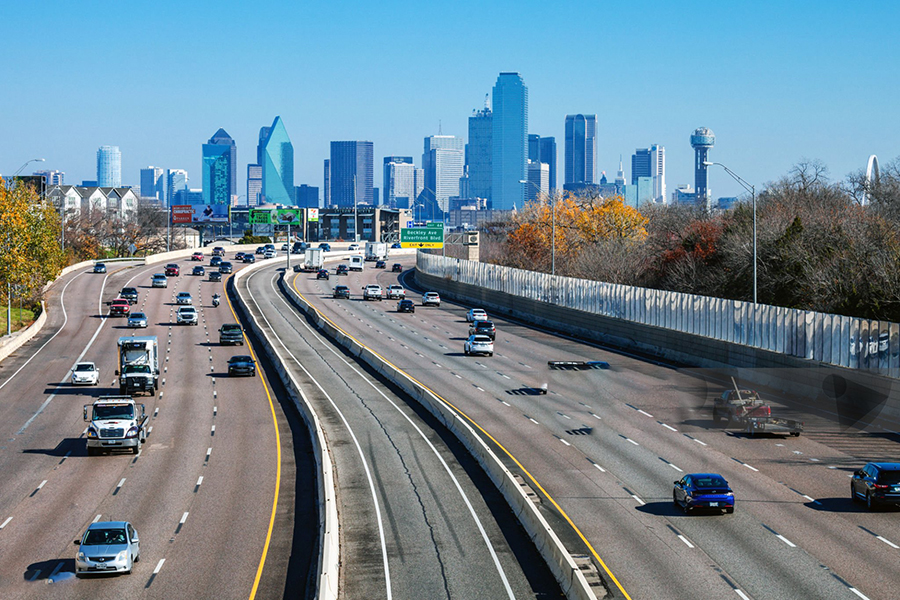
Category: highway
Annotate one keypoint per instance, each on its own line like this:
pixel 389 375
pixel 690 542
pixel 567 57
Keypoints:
pixel 212 493
pixel 418 517
pixel 604 446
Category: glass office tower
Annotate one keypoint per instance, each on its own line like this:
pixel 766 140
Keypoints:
pixel 509 160
pixel 276 156
pixel 109 166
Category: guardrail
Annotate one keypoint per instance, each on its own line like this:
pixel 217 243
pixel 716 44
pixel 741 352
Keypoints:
pixel 866 345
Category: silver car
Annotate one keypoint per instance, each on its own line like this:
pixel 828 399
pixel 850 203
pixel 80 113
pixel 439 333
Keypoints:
pixel 431 299
pixel 479 344
pixel 107 547
pixel 184 298
pixel 85 373
pixel 159 280
pixel 186 315
pixel 137 319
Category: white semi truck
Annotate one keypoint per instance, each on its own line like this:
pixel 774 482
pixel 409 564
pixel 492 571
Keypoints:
pixel 116 422
pixel 313 260
pixel 376 251
pixel 138 365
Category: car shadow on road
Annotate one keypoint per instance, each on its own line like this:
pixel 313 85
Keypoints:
pixel 661 509
pixel 844 504
pixel 41 571
pixel 67 446
pixel 88 391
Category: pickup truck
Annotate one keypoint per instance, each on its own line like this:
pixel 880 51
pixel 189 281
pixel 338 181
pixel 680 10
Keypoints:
pixel 115 422
pixel 748 411
pixel 373 292
pixel 396 292
pixel 120 307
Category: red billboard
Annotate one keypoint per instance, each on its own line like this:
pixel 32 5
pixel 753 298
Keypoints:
pixel 182 214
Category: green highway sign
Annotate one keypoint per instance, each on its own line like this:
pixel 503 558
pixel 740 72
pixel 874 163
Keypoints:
pixel 431 236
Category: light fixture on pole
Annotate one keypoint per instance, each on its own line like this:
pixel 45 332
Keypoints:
pixel 752 189
pixel 16 174
pixel 552 225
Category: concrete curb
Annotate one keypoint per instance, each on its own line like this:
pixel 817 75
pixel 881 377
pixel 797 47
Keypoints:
pixel 567 573
pixel 328 575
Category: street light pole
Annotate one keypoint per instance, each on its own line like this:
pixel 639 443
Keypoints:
pixel 752 189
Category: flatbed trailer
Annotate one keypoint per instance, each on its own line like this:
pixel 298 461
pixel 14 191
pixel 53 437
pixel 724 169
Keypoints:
pixel 771 425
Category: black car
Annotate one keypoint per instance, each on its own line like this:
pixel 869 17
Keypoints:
pixel 225 268
pixel 322 274
pixel 239 256
pixel 130 294
pixel 342 270
pixel 241 365
pixel 397 268
pixel 380 264
pixel 876 483
pixel 215 276
pixel 261 250
pixel 99 268
pixel 215 261
pixel 406 305
pixel 249 258
pixel 341 291
pixel 198 270
pixel 483 328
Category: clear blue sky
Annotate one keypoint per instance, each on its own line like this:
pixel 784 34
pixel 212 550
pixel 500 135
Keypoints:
pixel 776 81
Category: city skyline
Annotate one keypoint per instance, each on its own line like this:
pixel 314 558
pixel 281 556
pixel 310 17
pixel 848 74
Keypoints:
pixel 770 108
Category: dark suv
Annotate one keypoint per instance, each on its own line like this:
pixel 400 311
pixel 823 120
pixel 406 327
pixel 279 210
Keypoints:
pixel 876 483
pixel 130 294
pixel 483 328
pixel 231 333
pixel 341 291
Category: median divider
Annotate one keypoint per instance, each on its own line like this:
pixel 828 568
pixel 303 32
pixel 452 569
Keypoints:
pixel 328 570
pixel 567 572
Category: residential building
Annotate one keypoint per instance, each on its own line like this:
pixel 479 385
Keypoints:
pixel 109 166
pixel 176 180
pixel 52 177
pixel 509 142
pixel 351 164
pixel 153 183
pixel 581 148
pixel 117 203
pixel 479 153
pixel 254 185
pixel 275 154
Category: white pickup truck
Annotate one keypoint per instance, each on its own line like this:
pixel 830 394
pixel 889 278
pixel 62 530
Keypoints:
pixel 116 422
pixel 373 292
pixel 396 292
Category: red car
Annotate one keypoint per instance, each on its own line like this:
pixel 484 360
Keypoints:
pixel 172 270
pixel 197 256
pixel 120 307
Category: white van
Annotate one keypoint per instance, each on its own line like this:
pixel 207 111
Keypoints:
pixel 356 263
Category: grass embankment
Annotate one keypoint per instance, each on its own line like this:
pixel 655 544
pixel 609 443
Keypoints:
pixel 21 318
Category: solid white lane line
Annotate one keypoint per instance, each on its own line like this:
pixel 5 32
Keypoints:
pixel 159 566
pixel 685 540
pixel 6 522
pixel 785 540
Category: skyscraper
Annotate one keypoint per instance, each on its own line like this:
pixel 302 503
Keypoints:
pixel 109 166
pixel 543 149
pixel 351 161
pixel 658 172
pixel 538 180
pixel 176 180
pixel 219 181
pixel 326 183
pixel 443 161
pixel 509 141
pixel 307 196
pixel 275 154
pixel 640 164
pixel 51 177
pixel 152 184
pixel 581 148
pixel 479 153
pixel 401 187
pixel 254 185
pixel 702 140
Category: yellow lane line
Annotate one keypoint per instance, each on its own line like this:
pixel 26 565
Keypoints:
pixel 488 435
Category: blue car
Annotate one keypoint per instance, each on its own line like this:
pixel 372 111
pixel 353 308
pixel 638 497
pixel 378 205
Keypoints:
pixel 703 490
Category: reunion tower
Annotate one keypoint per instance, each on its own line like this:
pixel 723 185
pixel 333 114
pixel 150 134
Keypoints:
pixel 702 140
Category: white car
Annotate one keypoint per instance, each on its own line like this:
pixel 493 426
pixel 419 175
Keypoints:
pixel 85 373
pixel 479 344
pixel 107 547
pixel 184 298
pixel 476 314
pixel 187 315
pixel 396 292
pixel 270 253
pixel 353 247
pixel 431 299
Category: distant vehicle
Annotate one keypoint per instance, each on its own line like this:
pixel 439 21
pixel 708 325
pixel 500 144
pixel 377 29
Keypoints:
pixel 239 256
pixel 226 268
pixel 299 247
pixel 218 251
pixel 130 294
pixel 187 315
pixel 231 333
pixel 396 291
pixel 406 305
pixel 184 298
pixel 380 264
pixel 396 245
pixel 241 365
pixel 483 328
pixel 197 256
pixel 198 270
pixel 325 246
pixel 137 319
pixel 376 251
pixel 261 250
pixel 270 253
pixel 431 299
pixel 215 261
pixel 877 483
pixel 116 423
pixel 341 291
pixel 249 258
pixel 172 270
pixel 356 263
pixel 99 268
pixel 284 247
pixel 396 268
pixel 120 307
pixel 353 247
pixel 215 276
pixel 478 344
pixel 342 270
pixel 159 280
pixel 703 490
pixel 322 274
pixel 107 547
pixel 373 291
pixel 85 373
pixel 476 314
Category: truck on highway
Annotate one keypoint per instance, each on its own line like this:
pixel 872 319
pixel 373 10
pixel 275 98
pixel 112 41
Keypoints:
pixel 116 422
pixel 376 251
pixel 313 260
pixel 356 263
pixel 747 410
pixel 138 365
